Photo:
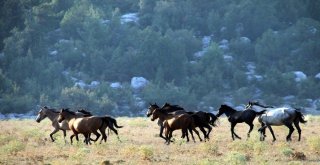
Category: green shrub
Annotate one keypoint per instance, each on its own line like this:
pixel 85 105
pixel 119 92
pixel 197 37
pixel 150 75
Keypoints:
pixel 235 158
pixel 12 147
pixel 314 143
pixel 146 152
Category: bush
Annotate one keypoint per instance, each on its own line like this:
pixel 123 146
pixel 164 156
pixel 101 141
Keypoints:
pixel 235 158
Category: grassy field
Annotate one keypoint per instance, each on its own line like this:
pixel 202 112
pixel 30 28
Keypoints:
pixel 28 142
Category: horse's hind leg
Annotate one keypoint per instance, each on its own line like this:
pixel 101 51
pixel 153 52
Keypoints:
pixel 194 129
pixel 204 132
pixel 232 131
pixel 291 129
pixel 296 124
pixel 97 134
pixel 209 130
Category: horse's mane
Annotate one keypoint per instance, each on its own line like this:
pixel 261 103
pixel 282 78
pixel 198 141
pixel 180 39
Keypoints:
pixel 228 107
pixel 85 112
pixel 257 103
pixel 51 109
pixel 68 110
pixel 176 107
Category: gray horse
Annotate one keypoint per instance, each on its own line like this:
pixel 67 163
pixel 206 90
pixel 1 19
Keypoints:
pixel 277 117
pixel 53 115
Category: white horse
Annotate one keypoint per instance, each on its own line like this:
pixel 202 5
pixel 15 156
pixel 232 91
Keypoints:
pixel 277 117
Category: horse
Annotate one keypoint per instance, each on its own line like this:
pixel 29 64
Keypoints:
pixel 202 119
pixel 52 115
pixel 277 117
pixel 174 122
pixel 235 117
pixel 111 120
pixel 84 125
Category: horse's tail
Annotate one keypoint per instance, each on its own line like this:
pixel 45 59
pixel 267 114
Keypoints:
pixel 300 116
pixel 113 121
pixel 213 119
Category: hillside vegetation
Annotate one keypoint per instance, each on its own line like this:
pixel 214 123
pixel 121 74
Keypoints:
pixel 199 54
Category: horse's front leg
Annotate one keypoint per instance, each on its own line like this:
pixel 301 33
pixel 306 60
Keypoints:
pixel 53 132
pixel 272 133
pixel 251 128
pixel 161 131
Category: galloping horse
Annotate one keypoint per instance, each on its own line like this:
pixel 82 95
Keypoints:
pixel 235 117
pixel 202 119
pixel 174 122
pixel 277 117
pixel 84 125
pixel 52 115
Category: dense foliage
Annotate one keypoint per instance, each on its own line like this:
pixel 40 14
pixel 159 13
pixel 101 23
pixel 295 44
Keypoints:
pixel 195 53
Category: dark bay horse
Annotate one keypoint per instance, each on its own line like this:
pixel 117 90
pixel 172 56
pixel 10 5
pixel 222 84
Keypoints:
pixel 202 119
pixel 175 122
pixel 235 117
pixel 278 116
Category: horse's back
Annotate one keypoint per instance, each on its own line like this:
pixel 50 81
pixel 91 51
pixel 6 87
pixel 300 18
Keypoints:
pixel 179 121
pixel 277 116
pixel 85 124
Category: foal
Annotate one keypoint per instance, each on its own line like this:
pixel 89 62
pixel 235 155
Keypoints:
pixel 235 117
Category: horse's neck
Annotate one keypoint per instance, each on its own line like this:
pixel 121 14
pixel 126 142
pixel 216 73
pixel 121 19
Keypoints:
pixel 230 111
pixel 52 115
pixel 259 108
pixel 165 116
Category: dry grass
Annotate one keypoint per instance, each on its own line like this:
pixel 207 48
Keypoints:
pixel 28 142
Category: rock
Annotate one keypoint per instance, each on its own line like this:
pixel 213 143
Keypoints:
pixel 138 82
pixel 129 17
pixel 300 76
pixel 116 85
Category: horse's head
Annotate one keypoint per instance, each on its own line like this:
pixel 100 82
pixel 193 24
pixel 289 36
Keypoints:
pixel 221 110
pixel 63 114
pixel 151 108
pixel 41 114
pixel 155 114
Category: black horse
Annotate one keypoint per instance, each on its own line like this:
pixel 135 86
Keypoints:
pixel 235 117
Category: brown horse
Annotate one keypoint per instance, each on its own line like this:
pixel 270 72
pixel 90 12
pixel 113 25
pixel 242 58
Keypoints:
pixel 52 115
pixel 201 119
pixel 84 125
pixel 175 122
